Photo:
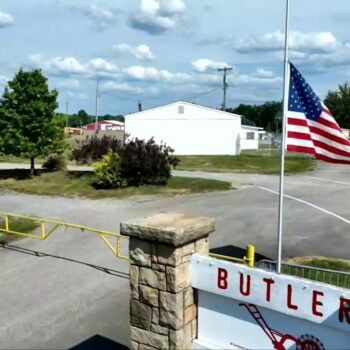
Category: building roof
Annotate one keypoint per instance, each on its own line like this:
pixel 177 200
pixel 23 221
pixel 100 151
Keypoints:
pixel 226 115
pixel 250 127
pixel 114 122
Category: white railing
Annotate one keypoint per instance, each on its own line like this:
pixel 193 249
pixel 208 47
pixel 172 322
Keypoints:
pixel 334 277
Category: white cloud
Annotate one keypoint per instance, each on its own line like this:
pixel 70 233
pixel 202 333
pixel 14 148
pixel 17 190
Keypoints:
pixel 318 62
pixel 71 66
pixel 298 41
pixel 203 65
pixel 316 50
pixel 6 20
pixel 158 77
pixel 142 73
pixel 340 57
pixel 123 87
pixel 149 6
pixel 100 13
pixel 175 78
pixel 3 80
pixel 162 7
pixel 154 74
pixel 246 80
pixel 58 65
pixel 101 65
pixel 68 65
pixel 141 52
pixel 171 7
pixel 158 16
pixel 36 58
pixel 263 73
pixel 78 95
pixel 69 84
pixel 101 17
pixel 137 79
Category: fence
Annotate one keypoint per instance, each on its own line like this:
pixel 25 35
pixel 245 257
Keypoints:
pixel 336 278
pixel 248 260
pixel 47 227
pixel 46 231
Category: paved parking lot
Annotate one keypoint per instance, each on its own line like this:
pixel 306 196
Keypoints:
pixel 48 302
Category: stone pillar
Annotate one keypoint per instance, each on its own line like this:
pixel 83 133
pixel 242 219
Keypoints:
pixel 163 307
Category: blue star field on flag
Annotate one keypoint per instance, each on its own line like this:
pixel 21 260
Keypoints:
pixel 301 96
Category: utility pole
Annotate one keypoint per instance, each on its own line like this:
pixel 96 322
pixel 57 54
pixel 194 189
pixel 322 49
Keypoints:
pixel 67 115
pixel 225 70
pixel 96 108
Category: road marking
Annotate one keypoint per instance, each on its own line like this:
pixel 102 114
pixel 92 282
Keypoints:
pixel 309 204
pixel 328 180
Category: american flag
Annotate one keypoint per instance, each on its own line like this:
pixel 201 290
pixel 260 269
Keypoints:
pixel 311 128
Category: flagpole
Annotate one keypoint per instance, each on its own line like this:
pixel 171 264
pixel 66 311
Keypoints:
pixel 283 144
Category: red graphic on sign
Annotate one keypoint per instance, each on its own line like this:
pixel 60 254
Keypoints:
pixel 304 342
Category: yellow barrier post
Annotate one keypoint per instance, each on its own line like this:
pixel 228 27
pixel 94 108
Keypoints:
pixel 119 248
pixel 6 223
pixel 250 258
pixel 42 229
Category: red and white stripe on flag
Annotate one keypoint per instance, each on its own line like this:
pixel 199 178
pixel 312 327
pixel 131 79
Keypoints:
pixel 323 138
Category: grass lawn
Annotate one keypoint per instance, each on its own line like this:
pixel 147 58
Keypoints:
pixel 79 184
pixel 259 162
pixel 319 275
pixel 13 159
pixel 19 225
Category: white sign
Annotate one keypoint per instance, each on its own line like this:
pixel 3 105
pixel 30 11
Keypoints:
pixel 242 307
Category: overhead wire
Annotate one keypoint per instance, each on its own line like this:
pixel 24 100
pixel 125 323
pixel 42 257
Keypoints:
pixel 195 97
pixel 254 101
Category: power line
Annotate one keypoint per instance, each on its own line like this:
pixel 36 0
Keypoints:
pixel 195 97
pixel 256 101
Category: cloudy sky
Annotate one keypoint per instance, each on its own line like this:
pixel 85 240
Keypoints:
pixel 160 51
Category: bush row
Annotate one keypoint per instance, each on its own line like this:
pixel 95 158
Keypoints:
pixel 134 163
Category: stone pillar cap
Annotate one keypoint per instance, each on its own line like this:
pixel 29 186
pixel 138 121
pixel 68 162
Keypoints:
pixel 173 229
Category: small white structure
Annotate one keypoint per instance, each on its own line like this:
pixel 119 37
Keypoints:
pixel 250 136
pixel 106 125
pixel 188 128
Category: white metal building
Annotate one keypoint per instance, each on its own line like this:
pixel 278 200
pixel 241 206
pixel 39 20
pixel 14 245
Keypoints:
pixel 188 128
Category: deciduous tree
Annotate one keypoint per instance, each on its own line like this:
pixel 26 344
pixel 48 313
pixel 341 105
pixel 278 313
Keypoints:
pixel 28 126
pixel 339 104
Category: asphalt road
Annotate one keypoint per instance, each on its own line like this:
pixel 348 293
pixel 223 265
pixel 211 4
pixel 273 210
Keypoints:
pixel 48 302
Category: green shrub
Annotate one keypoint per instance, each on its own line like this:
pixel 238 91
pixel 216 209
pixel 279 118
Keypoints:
pixel 137 163
pixel 146 163
pixel 107 172
pixel 55 162
pixel 92 149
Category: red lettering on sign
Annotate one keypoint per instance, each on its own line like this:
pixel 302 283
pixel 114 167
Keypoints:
pixel 344 310
pixel 316 303
pixel 268 282
pixel 222 278
pixel 245 292
pixel 289 298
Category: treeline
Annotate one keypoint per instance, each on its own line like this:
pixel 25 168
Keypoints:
pixel 82 118
pixel 269 114
pixel 338 103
